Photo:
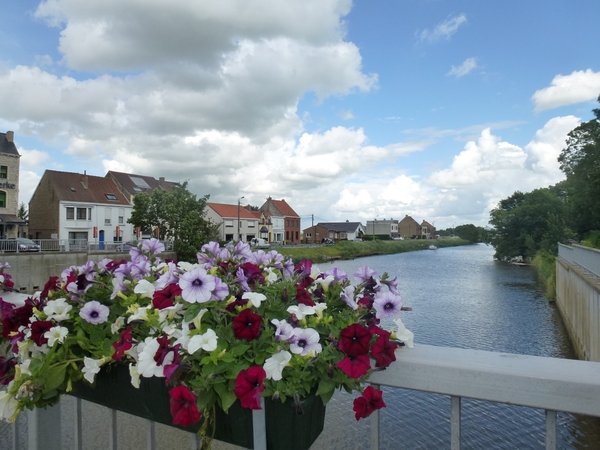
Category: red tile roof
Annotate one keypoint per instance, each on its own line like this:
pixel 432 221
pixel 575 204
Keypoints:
pixel 231 211
pixel 77 187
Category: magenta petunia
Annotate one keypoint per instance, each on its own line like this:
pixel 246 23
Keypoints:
pixel 383 351
pixel 355 340
pixel 246 325
pixel 249 385
pixel 355 366
pixel 370 401
pixel 183 406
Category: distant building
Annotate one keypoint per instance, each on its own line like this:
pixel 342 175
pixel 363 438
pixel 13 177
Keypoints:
pixel 291 220
pixel 10 161
pixel 79 207
pixel 337 231
pixel 130 184
pixel 230 228
pixel 409 227
pixel 427 230
pixel 387 227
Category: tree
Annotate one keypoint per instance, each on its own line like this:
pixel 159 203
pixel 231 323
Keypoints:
pixel 468 232
pixel 580 161
pixel 23 212
pixel 176 215
pixel 526 223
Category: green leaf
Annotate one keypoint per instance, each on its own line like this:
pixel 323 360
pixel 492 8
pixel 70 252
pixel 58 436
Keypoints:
pixel 192 312
pixel 54 376
pixel 326 387
pixel 228 398
pixel 239 349
pixel 97 335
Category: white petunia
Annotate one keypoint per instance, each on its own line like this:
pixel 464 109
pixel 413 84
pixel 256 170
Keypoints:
pixel 58 309
pixel 91 368
pixel 147 366
pixel 325 282
pixel 206 342
pixel 141 313
pixel 9 407
pixel 56 334
pixel 272 276
pixel 403 334
pixel 144 288
pixel 115 327
pixel 319 308
pixel 135 376
pixel 301 310
pixel 255 298
pixel 275 364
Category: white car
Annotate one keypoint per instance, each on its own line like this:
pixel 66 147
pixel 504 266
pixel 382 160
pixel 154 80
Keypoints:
pixel 259 243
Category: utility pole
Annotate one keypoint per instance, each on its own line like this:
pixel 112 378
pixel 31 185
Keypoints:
pixel 238 222
pixel 312 225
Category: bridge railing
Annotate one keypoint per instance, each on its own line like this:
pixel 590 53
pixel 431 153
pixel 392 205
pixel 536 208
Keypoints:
pixel 73 245
pixel 552 384
pixel 585 257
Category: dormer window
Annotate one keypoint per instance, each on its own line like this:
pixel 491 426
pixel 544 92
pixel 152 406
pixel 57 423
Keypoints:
pixel 111 197
pixel 73 189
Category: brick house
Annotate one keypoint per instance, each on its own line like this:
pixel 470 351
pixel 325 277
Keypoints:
pixel 382 227
pixel 409 227
pixel 291 220
pixel 10 161
pixel 79 207
pixel 337 231
pixel 227 217
pixel 427 230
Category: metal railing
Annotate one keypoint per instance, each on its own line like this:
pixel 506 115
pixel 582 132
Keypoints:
pixel 72 245
pixel 552 384
pixel 585 257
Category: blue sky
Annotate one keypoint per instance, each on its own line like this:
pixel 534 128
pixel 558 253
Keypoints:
pixel 348 110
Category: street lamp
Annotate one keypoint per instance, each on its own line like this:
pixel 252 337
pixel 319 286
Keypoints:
pixel 238 223
pixel 373 229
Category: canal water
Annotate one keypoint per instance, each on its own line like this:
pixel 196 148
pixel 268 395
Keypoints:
pixel 462 298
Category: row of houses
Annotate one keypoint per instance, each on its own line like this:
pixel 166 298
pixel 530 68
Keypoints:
pixel 82 207
pixel 407 228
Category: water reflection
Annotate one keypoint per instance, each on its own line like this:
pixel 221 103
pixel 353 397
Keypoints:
pixel 462 298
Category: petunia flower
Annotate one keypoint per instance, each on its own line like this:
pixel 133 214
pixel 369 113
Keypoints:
pixel 94 312
pixel 284 330
pixel 58 309
pixel 355 366
pixel 38 331
pixel 165 297
pixel 91 367
pixel 364 274
pixel 144 288
pixel 370 400
pixel 347 296
pixel 249 385
pixel 301 311
pixel 275 364
pixel 152 246
pixel 383 351
pixel 206 342
pixel 123 344
pixel 304 297
pixel 9 407
pixel 306 340
pixel 403 334
pixel 387 304
pixel 183 406
pixel 56 334
pixel 255 298
pixel 246 325
pixel 355 340
pixel 196 286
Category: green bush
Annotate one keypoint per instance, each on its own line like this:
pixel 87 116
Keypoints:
pixel 545 265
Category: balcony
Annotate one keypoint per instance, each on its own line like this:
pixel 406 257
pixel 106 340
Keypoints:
pixel 552 384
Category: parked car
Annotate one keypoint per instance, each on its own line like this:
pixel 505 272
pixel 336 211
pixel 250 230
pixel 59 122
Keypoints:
pixel 259 243
pixel 327 241
pixel 27 245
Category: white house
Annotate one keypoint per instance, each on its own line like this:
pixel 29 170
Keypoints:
pixel 227 216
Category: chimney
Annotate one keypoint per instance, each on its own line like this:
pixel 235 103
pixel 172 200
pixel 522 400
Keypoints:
pixel 10 136
pixel 84 179
pixel 161 181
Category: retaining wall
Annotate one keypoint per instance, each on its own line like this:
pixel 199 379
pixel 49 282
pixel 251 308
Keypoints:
pixel 578 300
pixel 30 271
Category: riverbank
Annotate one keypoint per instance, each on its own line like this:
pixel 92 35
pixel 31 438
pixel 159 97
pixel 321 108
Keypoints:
pixel 351 250
pixel 545 273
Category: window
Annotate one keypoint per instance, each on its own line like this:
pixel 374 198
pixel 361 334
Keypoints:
pixel 2 199
pixel 106 221
pixel 89 213
pixel 296 235
pixel 3 172
pixel 107 216
pixel 309 234
pixel 121 216
pixel 70 213
pixel 121 220
pixel 229 223
pixel 251 224
pixel 81 213
pixel 111 196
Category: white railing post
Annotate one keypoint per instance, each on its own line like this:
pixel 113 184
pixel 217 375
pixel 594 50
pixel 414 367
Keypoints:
pixel 78 425
pixel 550 430
pixel 455 414
pixel 44 428
pixel 375 426
pixel 113 443
pixel 259 427
pixel 151 435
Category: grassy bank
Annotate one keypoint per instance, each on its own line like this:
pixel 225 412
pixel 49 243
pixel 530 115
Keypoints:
pixel 351 250
pixel 545 267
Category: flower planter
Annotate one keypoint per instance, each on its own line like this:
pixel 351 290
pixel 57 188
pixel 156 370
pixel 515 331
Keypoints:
pixel 285 428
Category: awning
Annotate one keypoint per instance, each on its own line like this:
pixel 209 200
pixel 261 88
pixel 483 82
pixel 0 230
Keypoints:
pixel 264 230
pixel 11 219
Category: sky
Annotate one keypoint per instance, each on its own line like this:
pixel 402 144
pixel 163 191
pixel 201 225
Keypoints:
pixel 348 110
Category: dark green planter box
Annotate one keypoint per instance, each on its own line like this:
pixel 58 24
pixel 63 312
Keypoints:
pixel 286 430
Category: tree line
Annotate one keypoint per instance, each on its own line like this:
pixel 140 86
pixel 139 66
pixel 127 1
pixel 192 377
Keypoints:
pixel 527 223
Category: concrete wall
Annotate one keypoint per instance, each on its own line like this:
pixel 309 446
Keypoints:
pixel 578 300
pixel 30 271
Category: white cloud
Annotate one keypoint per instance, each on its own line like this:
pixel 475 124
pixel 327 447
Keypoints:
pixel 443 30
pixel 345 114
pixel 467 66
pixel 579 86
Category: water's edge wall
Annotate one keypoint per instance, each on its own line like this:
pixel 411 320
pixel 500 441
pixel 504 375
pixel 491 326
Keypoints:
pixel 578 300
pixel 30 271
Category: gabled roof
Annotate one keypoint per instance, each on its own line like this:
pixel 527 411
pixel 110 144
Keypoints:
pixel 408 218
pixel 71 187
pixel 279 208
pixel 426 224
pixel 135 184
pixel 348 227
pixel 231 211
pixel 8 146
